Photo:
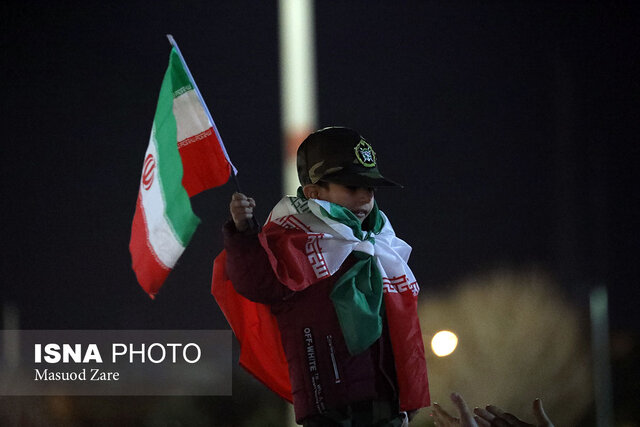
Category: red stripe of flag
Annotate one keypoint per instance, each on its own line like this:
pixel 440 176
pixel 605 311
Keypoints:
pixel 204 163
pixel 151 273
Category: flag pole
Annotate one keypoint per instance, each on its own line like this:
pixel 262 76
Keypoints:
pixel 253 224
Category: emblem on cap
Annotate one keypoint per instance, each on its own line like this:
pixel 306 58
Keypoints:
pixel 365 154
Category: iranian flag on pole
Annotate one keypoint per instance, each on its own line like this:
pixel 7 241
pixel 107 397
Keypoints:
pixel 185 156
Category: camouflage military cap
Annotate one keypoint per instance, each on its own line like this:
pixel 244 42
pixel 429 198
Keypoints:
pixel 340 155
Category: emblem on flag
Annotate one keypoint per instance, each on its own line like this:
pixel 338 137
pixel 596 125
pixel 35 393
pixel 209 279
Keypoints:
pixel 147 171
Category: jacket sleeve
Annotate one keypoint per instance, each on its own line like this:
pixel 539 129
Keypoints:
pixel 249 268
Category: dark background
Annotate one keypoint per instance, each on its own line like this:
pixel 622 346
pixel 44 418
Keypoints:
pixel 513 125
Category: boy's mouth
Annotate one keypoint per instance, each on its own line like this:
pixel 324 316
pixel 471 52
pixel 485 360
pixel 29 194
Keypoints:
pixel 360 213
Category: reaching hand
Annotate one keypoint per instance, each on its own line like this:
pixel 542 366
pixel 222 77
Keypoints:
pixel 491 416
pixel 443 418
pixel 241 208
pixel 494 416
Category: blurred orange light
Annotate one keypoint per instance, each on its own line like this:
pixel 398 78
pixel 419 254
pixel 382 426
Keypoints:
pixel 444 343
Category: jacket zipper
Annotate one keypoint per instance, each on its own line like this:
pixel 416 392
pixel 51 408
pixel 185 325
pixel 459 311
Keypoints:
pixel 336 374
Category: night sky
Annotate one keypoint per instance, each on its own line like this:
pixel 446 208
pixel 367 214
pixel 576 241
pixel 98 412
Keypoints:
pixel 513 125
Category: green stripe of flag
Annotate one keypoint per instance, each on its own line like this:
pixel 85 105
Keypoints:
pixel 178 207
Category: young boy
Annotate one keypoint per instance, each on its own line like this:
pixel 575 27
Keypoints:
pixel 335 277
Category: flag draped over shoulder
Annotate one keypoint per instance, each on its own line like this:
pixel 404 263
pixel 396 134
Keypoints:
pixel 185 156
pixel 306 241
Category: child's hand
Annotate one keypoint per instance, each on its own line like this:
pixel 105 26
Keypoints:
pixel 241 208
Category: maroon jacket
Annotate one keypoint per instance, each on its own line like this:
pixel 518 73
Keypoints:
pixel 322 372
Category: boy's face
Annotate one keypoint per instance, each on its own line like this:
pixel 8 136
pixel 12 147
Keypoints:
pixel 358 200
